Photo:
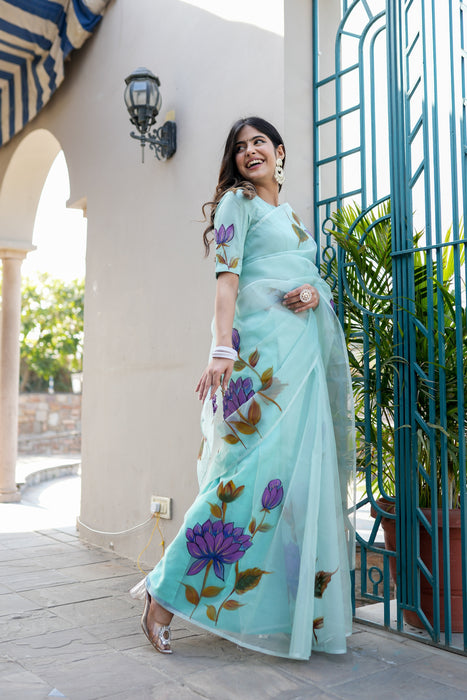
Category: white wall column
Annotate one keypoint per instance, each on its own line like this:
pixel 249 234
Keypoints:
pixel 9 369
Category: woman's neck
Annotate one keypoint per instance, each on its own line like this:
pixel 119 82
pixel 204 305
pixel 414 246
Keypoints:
pixel 269 194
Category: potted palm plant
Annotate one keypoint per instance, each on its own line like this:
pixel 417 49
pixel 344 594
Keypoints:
pixel 366 307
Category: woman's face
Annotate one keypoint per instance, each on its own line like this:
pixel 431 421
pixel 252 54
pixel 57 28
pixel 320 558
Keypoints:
pixel 255 156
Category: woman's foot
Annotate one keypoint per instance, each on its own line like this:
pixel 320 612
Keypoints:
pixel 155 623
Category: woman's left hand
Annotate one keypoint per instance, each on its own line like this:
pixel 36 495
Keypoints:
pixel 293 302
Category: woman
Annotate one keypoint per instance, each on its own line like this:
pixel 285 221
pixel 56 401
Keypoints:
pixel 262 557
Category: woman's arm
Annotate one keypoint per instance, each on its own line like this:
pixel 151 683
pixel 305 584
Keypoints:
pixel 221 368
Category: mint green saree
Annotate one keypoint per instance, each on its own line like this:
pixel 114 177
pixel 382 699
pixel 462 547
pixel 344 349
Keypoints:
pixel 264 553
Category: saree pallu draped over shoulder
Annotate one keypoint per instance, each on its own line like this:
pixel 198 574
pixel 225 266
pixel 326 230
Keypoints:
pixel 264 553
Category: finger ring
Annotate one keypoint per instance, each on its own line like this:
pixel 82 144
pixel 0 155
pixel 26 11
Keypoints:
pixel 306 295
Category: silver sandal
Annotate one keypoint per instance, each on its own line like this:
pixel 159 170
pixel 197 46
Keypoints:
pixel 161 639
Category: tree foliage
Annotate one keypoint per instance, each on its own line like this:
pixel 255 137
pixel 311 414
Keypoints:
pixel 51 338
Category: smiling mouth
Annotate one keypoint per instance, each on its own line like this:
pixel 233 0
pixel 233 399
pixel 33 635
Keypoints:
pixel 254 162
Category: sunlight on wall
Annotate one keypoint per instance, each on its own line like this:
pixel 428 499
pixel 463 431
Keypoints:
pixel 265 14
pixel 59 233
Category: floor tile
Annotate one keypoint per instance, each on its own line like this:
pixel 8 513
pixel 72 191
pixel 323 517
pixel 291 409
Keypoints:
pixel 245 679
pixel 326 670
pixel 55 646
pixel 59 535
pixel 24 540
pixel 75 557
pixel 387 648
pixel 397 684
pixel 18 684
pixel 64 594
pixel 38 579
pixel 12 603
pixel 100 570
pixel 448 669
pixel 103 609
pixel 31 623
pixel 8 569
pixel 162 690
pixel 99 676
pixel 68 622
pixel 119 584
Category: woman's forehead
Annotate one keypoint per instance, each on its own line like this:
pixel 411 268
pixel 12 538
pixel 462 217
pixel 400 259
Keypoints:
pixel 249 133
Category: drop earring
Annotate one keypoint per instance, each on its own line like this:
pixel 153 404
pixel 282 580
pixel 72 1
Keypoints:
pixel 279 172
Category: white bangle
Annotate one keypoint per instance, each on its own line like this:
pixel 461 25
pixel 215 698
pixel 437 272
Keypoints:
pixel 225 352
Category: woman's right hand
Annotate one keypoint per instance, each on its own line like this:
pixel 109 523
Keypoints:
pixel 218 372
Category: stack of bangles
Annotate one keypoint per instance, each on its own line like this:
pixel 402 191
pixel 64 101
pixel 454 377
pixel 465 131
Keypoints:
pixel 225 352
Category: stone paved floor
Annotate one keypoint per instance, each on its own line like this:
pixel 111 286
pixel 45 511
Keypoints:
pixel 68 628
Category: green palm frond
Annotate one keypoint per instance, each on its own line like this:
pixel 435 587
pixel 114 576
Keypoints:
pixel 364 268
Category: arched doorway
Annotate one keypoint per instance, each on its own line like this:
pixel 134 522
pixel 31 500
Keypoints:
pixel 20 193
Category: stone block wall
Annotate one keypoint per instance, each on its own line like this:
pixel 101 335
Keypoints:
pixel 49 424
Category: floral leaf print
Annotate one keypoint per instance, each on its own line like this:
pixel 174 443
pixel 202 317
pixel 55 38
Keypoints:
pixel 217 544
pixel 318 624
pixel 272 495
pixel 191 594
pixel 274 389
pixel 268 384
pixel 322 580
pixel 302 236
pixel 232 605
pixel 253 359
pixel 266 378
pixel 249 579
pixel 201 448
pixel 244 428
pixel 211 612
pixel 247 425
pixel 215 510
pixel 211 591
pixel 228 493
pixel 238 392
pixel 299 230
pixel 254 413
pixel 231 439
pixel 239 365
pixel 223 235
pixel 235 339
pixel 271 498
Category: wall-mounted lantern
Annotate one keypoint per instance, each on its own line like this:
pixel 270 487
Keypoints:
pixel 143 101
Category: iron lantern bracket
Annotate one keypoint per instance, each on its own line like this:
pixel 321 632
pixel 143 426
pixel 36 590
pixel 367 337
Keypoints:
pixel 163 140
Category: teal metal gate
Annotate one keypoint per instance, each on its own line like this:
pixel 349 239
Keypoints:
pixel 390 174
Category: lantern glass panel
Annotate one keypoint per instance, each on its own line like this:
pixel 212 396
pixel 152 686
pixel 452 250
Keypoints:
pixel 141 93
pixel 127 97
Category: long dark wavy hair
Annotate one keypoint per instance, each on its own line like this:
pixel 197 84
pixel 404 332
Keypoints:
pixel 229 177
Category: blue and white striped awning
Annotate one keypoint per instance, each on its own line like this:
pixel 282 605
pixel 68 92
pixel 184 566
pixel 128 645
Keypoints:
pixel 35 38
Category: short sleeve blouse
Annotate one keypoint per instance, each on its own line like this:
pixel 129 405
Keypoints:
pixel 231 223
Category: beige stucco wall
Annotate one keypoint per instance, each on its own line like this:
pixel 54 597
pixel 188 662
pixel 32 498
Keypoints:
pixel 149 292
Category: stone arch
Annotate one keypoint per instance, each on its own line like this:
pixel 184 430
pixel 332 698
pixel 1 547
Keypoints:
pixel 20 192
pixel 22 185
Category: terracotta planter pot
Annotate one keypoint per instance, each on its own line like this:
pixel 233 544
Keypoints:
pixel 426 593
